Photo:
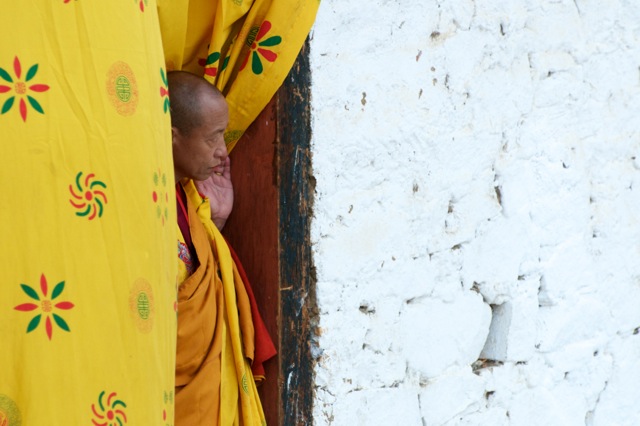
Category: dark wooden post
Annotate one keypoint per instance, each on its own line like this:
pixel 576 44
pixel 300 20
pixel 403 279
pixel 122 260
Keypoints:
pixel 297 276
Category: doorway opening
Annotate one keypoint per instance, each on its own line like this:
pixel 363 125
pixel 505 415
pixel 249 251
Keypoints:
pixel 270 231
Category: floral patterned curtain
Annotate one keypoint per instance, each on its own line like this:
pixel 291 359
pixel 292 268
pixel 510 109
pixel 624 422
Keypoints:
pixel 88 261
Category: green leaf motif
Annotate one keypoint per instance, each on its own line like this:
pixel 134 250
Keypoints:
pixel 164 77
pixel 32 72
pixel 225 63
pixel 245 384
pixel 271 41
pixel 35 104
pixel 33 323
pixel 256 64
pixel 7 105
pixel 166 105
pixel 120 403
pixel 84 213
pixel 57 290
pixel 5 76
pixel 61 323
pixel 99 203
pixel 100 400
pixel 30 292
pixel 78 181
pixel 213 58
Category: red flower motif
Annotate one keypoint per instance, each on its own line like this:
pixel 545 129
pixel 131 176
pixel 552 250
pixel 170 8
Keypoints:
pixel 46 306
pixel 168 408
pixel 257 44
pixel 164 90
pixel 21 89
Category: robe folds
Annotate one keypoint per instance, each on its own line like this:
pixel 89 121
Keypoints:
pixel 215 348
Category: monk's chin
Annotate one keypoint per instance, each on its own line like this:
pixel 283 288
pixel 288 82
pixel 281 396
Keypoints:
pixel 201 177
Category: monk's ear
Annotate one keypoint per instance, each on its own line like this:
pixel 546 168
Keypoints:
pixel 175 136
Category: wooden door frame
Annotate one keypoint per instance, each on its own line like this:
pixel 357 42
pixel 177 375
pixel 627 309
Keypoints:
pixel 270 230
pixel 296 186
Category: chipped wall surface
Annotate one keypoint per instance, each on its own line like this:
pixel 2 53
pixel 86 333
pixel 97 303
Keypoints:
pixel 476 230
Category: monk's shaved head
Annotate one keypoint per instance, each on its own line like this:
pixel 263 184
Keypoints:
pixel 186 92
pixel 199 118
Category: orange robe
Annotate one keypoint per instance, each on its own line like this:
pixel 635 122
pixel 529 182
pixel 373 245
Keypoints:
pixel 214 383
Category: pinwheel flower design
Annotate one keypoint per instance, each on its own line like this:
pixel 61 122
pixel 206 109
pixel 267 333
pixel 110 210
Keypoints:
pixel 258 47
pixel 160 195
pixel 20 90
pixel 89 200
pixel 164 90
pixel 46 306
pixel 111 414
pixel 168 408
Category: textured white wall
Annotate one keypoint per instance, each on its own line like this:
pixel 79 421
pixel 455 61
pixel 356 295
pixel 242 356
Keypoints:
pixel 476 231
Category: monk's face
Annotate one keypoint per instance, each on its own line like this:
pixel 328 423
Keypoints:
pixel 202 151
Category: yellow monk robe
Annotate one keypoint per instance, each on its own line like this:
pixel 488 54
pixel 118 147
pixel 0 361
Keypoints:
pixel 87 263
pixel 214 383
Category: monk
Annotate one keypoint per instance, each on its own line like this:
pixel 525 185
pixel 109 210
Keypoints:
pixel 214 382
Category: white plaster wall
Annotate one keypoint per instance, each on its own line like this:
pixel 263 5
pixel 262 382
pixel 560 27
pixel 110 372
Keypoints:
pixel 477 218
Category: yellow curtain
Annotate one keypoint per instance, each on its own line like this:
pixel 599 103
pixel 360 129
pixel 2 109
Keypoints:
pixel 88 261
pixel 245 47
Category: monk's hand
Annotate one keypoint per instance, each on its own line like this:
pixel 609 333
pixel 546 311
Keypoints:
pixel 219 190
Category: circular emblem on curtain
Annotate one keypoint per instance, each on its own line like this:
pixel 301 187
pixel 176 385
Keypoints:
pixel 122 88
pixel 9 412
pixel 141 305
